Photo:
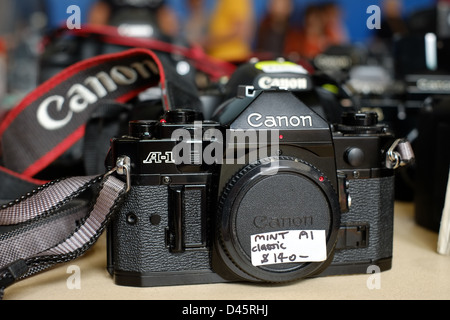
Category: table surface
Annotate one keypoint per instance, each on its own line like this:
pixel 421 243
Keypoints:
pixel 418 272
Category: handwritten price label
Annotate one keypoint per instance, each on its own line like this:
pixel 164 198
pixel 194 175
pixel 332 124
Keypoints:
pixel 289 246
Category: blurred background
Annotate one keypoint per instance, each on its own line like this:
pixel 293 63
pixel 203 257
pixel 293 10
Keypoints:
pixel 24 22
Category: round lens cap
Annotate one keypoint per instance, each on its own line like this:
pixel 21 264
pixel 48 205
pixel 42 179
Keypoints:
pixel 268 202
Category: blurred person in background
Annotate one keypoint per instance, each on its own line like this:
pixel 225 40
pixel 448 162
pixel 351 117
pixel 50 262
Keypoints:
pixel 154 12
pixel 231 30
pixel 6 31
pixel 392 22
pixel 3 73
pixel 322 27
pixel 308 40
pixel 272 31
pixel 393 25
pixel 22 24
pixel 335 31
pixel 196 26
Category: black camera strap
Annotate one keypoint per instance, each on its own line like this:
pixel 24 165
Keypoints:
pixel 52 118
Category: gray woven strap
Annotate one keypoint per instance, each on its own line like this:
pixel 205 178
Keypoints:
pixel 56 223
pixel 42 200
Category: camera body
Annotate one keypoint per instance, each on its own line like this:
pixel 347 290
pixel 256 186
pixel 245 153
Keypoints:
pixel 432 162
pixel 247 190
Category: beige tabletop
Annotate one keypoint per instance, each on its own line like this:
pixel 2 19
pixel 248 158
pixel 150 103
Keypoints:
pixel 418 272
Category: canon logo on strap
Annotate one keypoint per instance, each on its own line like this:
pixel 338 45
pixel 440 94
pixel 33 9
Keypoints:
pixel 82 95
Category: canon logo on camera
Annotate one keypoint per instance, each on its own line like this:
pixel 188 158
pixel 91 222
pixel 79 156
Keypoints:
pixel 333 62
pixel 257 120
pixel 262 222
pixel 433 84
pixel 292 83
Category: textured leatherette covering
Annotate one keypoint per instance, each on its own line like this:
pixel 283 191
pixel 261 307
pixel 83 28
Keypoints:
pixel 372 204
pixel 142 247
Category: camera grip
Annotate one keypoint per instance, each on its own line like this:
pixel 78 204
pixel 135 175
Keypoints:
pixel 372 205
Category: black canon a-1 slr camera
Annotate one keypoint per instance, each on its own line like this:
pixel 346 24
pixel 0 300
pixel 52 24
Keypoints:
pixel 265 191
